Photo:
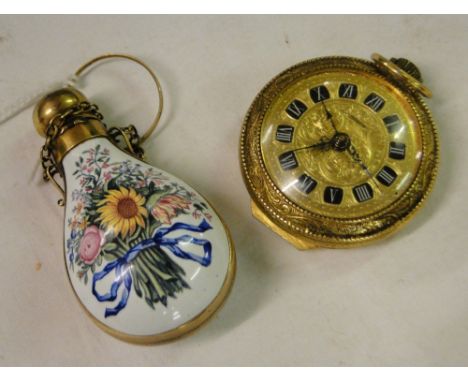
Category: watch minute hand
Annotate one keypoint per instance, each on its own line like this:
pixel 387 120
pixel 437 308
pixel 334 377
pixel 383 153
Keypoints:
pixel 323 144
pixel 355 155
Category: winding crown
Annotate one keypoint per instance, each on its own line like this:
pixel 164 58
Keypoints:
pixel 408 67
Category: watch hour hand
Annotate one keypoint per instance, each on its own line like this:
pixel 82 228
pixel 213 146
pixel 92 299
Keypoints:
pixel 329 116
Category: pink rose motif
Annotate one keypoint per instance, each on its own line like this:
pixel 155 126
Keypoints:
pixel 91 242
pixel 107 176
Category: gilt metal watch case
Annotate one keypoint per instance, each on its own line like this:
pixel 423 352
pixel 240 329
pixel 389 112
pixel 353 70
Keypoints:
pixel 339 151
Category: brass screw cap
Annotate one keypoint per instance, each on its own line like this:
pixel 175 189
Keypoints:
pixel 53 104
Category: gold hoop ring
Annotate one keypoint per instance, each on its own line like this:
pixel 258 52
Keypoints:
pixel 155 122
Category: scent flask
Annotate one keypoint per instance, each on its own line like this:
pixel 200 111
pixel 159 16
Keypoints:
pixel 147 256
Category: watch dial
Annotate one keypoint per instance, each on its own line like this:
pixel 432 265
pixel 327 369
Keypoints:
pixel 341 144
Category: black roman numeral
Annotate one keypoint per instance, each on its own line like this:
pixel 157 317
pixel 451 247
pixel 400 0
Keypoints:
pixel 288 160
pixel 397 150
pixel 363 192
pixel 374 101
pixel 306 184
pixel 393 123
pixel 319 93
pixel 348 91
pixel 296 108
pixel 333 195
pixel 386 176
pixel 284 133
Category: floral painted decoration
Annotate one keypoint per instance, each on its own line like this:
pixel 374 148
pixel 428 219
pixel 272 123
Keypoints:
pixel 122 216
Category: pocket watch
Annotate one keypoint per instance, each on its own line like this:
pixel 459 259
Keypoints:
pixel 339 151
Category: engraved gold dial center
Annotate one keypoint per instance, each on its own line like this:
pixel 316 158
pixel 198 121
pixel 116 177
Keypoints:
pixel 335 166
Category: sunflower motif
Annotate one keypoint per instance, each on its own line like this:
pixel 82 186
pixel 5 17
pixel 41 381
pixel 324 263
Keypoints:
pixel 122 210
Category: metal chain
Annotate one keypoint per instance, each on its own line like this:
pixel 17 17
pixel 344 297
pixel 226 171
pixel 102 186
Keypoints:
pixel 57 126
pixel 131 139
pixel 82 112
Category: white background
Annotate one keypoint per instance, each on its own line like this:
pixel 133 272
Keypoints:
pixel 403 301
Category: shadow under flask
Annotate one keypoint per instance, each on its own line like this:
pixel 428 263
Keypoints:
pixel 147 256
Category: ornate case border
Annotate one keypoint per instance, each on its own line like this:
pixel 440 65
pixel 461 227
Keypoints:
pixel 313 228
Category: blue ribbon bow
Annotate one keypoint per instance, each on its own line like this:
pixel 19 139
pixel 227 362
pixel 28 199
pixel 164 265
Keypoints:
pixel 122 264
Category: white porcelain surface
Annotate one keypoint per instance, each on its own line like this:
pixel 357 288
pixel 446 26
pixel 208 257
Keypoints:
pixel 174 202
